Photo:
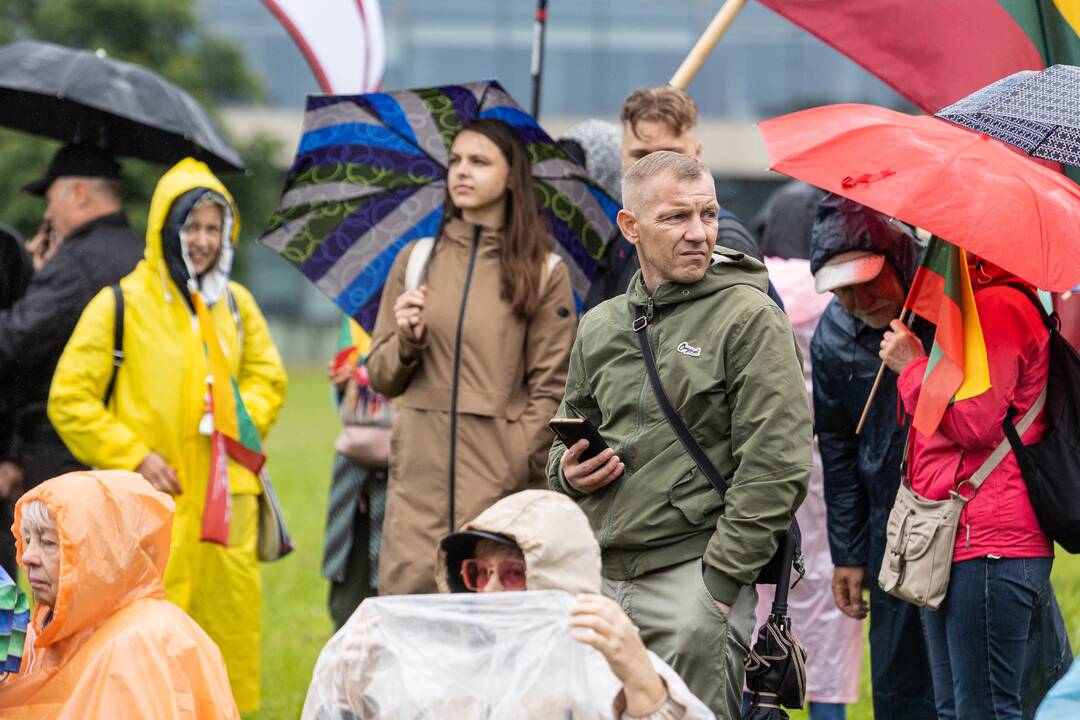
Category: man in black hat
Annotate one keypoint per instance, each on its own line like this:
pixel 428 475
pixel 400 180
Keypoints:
pixel 96 249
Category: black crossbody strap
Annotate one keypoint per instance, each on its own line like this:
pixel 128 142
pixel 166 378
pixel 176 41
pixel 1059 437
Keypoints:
pixel 118 341
pixel 681 431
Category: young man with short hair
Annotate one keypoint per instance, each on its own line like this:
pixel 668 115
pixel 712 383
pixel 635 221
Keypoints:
pixel 655 119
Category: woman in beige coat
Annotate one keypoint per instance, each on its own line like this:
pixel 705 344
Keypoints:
pixel 475 355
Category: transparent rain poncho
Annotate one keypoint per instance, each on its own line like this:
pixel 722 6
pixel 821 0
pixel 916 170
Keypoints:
pixel 503 656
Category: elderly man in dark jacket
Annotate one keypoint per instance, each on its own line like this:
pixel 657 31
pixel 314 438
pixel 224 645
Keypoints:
pixel 97 248
pixel 868 261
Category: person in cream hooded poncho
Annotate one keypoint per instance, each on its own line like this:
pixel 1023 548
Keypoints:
pixel 159 406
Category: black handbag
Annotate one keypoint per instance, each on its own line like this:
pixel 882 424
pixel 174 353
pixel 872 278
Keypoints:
pixel 778 566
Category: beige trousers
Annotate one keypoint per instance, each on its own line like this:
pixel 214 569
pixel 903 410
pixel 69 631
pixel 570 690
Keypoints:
pixel 680 622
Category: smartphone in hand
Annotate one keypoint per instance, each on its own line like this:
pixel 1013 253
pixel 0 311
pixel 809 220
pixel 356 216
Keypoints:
pixel 570 430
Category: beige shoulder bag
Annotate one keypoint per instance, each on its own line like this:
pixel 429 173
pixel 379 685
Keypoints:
pixel 921 533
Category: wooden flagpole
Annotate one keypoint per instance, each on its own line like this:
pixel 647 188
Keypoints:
pixel 706 43
pixel 877 382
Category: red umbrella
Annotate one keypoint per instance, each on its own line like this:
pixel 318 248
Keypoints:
pixel 966 188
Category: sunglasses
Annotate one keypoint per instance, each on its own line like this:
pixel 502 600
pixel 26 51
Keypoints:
pixel 476 574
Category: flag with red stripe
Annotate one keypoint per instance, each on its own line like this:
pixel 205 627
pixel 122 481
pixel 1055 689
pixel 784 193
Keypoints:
pixel 957 368
pixel 935 52
pixel 233 435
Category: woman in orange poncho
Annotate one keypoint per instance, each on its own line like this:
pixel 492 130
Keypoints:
pixel 103 641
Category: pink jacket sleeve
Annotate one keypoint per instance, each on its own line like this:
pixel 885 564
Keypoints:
pixel 1016 345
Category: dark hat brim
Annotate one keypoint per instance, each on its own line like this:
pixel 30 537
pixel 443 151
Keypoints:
pixel 39 187
pixel 459 547
pixel 454 541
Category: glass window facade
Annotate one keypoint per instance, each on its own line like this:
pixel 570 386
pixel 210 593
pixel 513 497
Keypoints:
pixel 597 52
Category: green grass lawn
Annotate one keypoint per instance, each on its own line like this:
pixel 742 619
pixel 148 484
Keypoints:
pixel 295 620
pixel 296 623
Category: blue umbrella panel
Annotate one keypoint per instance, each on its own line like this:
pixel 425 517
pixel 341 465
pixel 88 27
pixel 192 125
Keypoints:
pixel 370 176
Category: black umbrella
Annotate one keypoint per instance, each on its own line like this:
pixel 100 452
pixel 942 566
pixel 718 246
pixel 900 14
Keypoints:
pixel 783 223
pixel 80 96
pixel 776 665
pixel 1037 112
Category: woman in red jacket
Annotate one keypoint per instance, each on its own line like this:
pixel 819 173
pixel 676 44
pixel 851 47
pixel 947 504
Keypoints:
pixel 1000 578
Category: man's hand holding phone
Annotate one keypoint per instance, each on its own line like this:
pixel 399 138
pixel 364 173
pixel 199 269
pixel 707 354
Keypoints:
pixel 590 475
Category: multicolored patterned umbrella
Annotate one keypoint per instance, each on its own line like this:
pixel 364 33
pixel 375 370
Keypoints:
pixel 14 616
pixel 370 176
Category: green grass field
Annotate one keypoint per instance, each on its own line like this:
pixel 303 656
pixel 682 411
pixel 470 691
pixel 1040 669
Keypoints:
pixel 295 620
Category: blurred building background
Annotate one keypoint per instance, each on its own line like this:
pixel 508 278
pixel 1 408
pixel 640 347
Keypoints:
pixel 597 52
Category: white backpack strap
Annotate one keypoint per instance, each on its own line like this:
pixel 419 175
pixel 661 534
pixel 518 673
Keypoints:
pixel 234 310
pixel 417 263
pixel 550 263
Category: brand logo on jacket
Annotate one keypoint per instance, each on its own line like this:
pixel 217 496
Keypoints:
pixel 687 349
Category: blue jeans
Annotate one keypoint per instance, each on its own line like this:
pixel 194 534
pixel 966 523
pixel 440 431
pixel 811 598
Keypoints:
pixel 828 711
pixel 978 639
pixel 899 664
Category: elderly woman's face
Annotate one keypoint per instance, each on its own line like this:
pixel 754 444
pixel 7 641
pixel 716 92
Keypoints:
pixel 41 556
pixel 494 568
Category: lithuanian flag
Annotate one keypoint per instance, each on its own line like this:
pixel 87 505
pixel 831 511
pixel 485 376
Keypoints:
pixel 234 434
pixel 935 52
pixel 352 342
pixel 941 293
pixel 353 346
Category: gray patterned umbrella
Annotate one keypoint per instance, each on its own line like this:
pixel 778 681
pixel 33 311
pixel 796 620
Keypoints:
pixel 1038 112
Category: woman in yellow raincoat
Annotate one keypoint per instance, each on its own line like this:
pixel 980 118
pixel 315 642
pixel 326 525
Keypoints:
pixel 103 642
pixel 157 419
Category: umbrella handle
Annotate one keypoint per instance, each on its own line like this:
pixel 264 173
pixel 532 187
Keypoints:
pixel 783 582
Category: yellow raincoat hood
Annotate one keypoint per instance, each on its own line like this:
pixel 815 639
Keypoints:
pixel 175 196
pixel 114 647
pixel 553 533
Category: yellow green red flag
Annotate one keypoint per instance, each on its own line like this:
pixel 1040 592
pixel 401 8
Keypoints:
pixel 353 342
pixel 234 434
pixel 957 369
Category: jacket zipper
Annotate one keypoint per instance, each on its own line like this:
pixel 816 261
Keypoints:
pixel 455 378
pixel 645 319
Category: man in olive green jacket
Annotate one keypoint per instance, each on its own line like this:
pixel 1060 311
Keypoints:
pixel 679 559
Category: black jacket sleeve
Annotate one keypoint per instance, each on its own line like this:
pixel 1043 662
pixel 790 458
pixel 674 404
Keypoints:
pixel 846 500
pixel 15 274
pixel 36 328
